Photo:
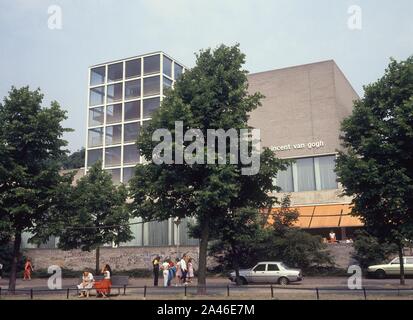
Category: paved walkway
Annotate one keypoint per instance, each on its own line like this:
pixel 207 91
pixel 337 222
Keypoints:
pixel 308 282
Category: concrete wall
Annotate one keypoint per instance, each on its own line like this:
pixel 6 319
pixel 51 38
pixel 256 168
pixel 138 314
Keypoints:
pixel 341 253
pixel 141 257
pixel 118 258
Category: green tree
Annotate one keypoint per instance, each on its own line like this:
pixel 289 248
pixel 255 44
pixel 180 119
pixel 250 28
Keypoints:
pixel 369 250
pixel 212 95
pixel 94 214
pixel 75 160
pixel 237 239
pixel 377 166
pixel 30 145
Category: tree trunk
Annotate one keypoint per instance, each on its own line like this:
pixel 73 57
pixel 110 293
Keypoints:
pixel 97 260
pixel 15 261
pixel 203 248
pixel 402 281
pixel 236 268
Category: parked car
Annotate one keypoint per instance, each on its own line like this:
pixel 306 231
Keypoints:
pixel 268 272
pixel 392 268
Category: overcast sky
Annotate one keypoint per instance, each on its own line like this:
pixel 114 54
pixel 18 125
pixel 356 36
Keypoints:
pixel 273 34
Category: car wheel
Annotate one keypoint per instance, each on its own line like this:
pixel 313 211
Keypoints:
pixel 380 274
pixel 243 281
pixel 283 281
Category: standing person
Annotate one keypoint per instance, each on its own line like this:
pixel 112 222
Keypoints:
pixel 103 287
pixel 172 271
pixel 155 265
pixel 190 270
pixel 28 268
pixel 184 269
pixel 1 271
pixel 178 272
pixel 165 270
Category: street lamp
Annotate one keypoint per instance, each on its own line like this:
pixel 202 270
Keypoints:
pixel 177 222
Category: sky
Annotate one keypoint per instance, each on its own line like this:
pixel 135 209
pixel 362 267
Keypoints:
pixel 272 33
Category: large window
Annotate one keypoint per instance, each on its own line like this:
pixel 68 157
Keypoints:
pixel 308 174
pixel 114 92
pixel 167 66
pixel 115 173
pixel 95 137
pixel 151 86
pixel 149 106
pixel 130 154
pixel 128 174
pixel 96 116
pixel 132 110
pixel 167 83
pixel 97 96
pixel 113 134
pixel 131 132
pixel 115 72
pixel 178 71
pixel 112 157
pixel 305 174
pixel 151 64
pixel 132 89
pixel 328 178
pixel 285 180
pixel 133 68
pixel 114 113
pixel 97 75
pixel 94 156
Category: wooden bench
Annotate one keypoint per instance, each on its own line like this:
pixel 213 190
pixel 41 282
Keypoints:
pixel 118 282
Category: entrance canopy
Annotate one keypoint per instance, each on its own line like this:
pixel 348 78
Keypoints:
pixel 323 216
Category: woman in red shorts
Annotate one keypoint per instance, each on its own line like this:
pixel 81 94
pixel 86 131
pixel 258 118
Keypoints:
pixel 103 286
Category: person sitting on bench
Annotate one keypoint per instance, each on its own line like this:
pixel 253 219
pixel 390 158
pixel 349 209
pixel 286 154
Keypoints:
pixel 103 287
pixel 86 285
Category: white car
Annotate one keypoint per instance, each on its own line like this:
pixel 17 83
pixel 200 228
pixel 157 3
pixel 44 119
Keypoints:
pixel 268 272
pixel 392 268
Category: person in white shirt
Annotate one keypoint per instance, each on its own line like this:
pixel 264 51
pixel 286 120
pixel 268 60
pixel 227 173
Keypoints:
pixel 184 269
pixel 165 271
pixel 1 271
pixel 332 236
pixel 87 283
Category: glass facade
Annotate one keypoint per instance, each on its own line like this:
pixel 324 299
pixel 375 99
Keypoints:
pixel 149 106
pixel 309 174
pixel 96 117
pixel 122 98
pixel 133 68
pixel 114 113
pixel 132 110
pixel 151 64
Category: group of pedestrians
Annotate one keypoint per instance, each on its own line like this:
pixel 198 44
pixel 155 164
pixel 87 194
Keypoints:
pixel 182 270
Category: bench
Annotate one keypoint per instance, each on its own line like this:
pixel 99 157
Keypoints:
pixel 118 282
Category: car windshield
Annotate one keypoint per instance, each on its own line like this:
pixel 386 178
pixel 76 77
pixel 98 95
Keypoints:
pixel 283 265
